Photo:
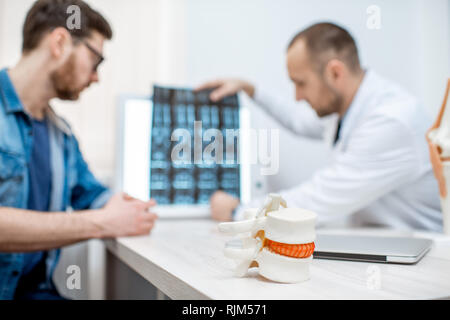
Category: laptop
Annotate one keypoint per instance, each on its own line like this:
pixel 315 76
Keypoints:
pixel 403 250
pixel 163 150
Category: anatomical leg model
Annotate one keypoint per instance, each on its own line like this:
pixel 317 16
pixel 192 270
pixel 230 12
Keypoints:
pixel 438 138
pixel 277 239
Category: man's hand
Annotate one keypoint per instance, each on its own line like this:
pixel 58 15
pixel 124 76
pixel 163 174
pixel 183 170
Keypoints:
pixel 222 206
pixel 126 216
pixel 227 87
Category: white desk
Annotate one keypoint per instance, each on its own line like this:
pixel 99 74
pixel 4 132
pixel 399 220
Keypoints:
pixel 184 259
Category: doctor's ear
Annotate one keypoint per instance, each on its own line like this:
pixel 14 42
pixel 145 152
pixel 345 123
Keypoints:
pixel 60 43
pixel 334 70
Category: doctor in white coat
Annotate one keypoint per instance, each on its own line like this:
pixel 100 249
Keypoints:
pixel 381 173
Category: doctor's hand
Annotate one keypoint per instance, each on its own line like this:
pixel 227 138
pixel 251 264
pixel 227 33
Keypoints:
pixel 227 87
pixel 125 216
pixel 222 206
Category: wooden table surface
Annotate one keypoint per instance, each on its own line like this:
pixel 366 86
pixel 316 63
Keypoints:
pixel 184 259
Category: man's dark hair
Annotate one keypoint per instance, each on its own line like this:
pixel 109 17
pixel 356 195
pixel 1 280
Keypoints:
pixel 47 15
pixel 325 41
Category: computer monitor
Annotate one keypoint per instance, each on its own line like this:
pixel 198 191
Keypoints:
pixel 166 150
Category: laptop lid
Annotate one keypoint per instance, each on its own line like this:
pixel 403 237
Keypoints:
pixel 404 250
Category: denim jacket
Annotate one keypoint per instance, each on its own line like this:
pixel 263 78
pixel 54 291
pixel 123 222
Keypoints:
pixel 73 185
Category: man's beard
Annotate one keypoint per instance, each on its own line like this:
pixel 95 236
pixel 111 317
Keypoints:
pixel 334 104
pixel 63 81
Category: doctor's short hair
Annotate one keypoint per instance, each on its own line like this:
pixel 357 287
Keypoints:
pixel 47 15
pixel 326 41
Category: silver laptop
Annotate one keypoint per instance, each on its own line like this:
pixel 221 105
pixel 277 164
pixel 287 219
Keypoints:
pixel 401 250
pixel 145 168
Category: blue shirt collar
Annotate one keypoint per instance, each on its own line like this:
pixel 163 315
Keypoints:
pixel 12 102
pixel 9 95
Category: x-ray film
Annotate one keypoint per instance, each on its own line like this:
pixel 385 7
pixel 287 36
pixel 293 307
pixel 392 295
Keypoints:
pixel 194 146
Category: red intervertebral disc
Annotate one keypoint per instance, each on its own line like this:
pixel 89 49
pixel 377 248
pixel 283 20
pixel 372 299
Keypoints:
pixel 291 250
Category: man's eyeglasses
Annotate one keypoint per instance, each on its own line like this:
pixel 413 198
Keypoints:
pixel 100 57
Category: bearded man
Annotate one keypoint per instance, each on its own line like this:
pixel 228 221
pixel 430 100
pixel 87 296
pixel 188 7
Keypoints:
pixel 42 171
pixel 380 174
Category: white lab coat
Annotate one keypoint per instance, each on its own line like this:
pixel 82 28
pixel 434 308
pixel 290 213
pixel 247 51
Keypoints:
pixel 380 173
